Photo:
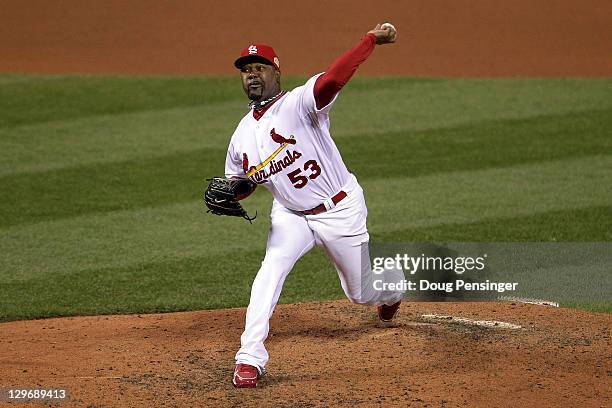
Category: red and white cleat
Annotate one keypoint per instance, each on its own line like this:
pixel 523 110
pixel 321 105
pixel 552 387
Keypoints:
pixel 245 376
pixel 387 313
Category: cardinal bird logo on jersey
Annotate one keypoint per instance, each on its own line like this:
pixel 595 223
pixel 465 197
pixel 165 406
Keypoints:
pixel 258 173
pixel 280 139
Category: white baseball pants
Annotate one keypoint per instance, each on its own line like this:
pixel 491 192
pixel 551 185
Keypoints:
pixel 341 231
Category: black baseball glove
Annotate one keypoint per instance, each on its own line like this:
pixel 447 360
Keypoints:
pixel 222 195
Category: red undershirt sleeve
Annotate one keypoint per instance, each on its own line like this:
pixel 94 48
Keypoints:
pixel 342 69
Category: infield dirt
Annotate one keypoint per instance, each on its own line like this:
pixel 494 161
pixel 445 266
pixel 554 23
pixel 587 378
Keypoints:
pixel 436 37
pixel 322 354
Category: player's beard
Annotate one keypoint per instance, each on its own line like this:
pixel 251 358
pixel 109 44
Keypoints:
pixel 256 94
pixel 262 92
pixel 255 97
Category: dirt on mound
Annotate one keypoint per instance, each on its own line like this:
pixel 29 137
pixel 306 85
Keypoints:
pixel 322 354
pixel 436 37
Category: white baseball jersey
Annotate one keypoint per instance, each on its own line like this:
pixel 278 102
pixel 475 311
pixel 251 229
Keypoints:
pixel 289 150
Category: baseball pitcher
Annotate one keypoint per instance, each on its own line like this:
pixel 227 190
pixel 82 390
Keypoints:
pixel 283 144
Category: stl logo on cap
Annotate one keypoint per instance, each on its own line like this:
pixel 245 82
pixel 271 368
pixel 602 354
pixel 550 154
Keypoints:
pixel 257 52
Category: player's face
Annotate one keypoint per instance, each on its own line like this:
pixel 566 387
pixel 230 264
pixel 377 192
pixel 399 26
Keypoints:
pixel 260 81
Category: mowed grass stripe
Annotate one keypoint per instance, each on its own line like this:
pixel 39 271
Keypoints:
pixel 135 136
pixel 374 107
pixel 591 224
pixel 74 191
pixel 153 121
pixel 468 196
pixel 118 137
pixel 37 99
pixel 396 204
pixel 29 99
pixel 109 240
pixel 495 143
pixel 214 281
pixel 106 187
pixel 204 282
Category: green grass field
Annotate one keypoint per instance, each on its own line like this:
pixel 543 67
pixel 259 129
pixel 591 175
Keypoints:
pixel 101 179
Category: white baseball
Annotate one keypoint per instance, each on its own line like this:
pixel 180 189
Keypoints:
pixel 388 25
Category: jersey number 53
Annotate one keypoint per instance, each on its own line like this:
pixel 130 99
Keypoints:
pixel 299 180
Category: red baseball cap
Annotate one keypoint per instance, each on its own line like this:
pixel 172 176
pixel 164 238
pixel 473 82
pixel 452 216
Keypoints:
pixel 258 52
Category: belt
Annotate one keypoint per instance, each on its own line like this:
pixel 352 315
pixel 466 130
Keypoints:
pixel 321 208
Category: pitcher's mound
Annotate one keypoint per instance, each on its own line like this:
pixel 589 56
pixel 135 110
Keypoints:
pixel 322 354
